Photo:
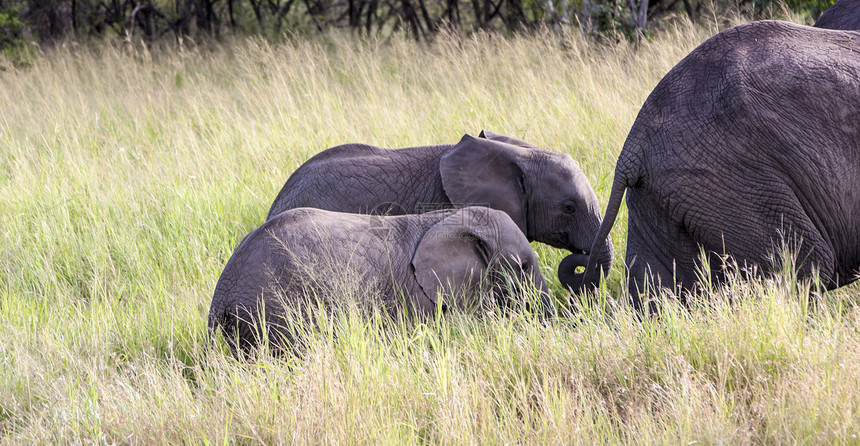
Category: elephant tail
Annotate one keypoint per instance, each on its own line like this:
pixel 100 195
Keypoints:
pixel 619 185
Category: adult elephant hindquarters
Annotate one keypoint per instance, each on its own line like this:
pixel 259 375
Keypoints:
pixel 752 140
pixel 843 15
pixel 544 192
pixel 304 257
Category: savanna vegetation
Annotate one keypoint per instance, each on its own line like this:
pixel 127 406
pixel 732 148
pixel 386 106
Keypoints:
pixel 129 174
pixel 26 26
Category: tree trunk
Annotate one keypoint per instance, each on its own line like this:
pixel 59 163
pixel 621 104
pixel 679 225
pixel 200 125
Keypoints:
pixel 430 23
pixel 640 13
pixel 411 18
pixel 690 12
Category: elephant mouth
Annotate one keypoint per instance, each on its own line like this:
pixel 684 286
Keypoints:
pixel 565 241
pixel 579 253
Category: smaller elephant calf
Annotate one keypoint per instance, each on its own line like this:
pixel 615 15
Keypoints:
pixel 305 256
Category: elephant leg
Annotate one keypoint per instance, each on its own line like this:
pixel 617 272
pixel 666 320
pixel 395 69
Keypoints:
pixel 753 229
pixel 811 253
pixel 660 253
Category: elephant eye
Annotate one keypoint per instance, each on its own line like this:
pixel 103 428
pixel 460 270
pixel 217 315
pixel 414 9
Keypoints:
pixel 569 207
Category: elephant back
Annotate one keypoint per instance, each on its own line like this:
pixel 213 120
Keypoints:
pixel 363 179
pixel 753 79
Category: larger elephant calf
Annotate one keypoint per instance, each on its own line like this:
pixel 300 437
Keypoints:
pixel 544 192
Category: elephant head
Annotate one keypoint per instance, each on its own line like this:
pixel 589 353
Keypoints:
pixel 544 192
pixel 477 250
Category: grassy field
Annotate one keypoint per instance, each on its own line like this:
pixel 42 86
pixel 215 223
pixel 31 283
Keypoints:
pixel 127 178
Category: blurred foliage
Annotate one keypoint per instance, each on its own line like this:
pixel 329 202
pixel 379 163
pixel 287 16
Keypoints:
pixel 813 8
pixel 46 22
pixel 611 19
pixel 615 19
pixel 11 27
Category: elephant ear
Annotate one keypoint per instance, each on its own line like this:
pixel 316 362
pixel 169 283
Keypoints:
pixel 483 172
pixel 451 258
pixel 506 139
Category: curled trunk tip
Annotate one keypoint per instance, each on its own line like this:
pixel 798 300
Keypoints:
pixel 577 282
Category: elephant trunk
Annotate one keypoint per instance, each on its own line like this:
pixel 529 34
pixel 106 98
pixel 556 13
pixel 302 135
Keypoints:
pixel 577 282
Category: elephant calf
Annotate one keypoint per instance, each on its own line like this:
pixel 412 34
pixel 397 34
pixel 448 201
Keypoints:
pixel 305 256
pixel 544 192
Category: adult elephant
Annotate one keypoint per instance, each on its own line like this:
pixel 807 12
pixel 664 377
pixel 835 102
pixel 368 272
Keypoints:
pixel 751 140
pixel 843 15
pixel 416 263
pixel 544 192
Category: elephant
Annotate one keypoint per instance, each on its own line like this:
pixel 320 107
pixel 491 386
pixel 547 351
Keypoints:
pixel 843 15
pixel 749 144
pixel 544 192
pixel 417 264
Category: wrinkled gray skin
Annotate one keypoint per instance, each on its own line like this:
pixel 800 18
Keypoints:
pixel 544 192
pixel 303 253
pixel 754 136
pixel 843 15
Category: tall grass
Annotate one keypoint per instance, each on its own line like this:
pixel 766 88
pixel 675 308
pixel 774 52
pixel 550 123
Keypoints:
pixel 128 176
